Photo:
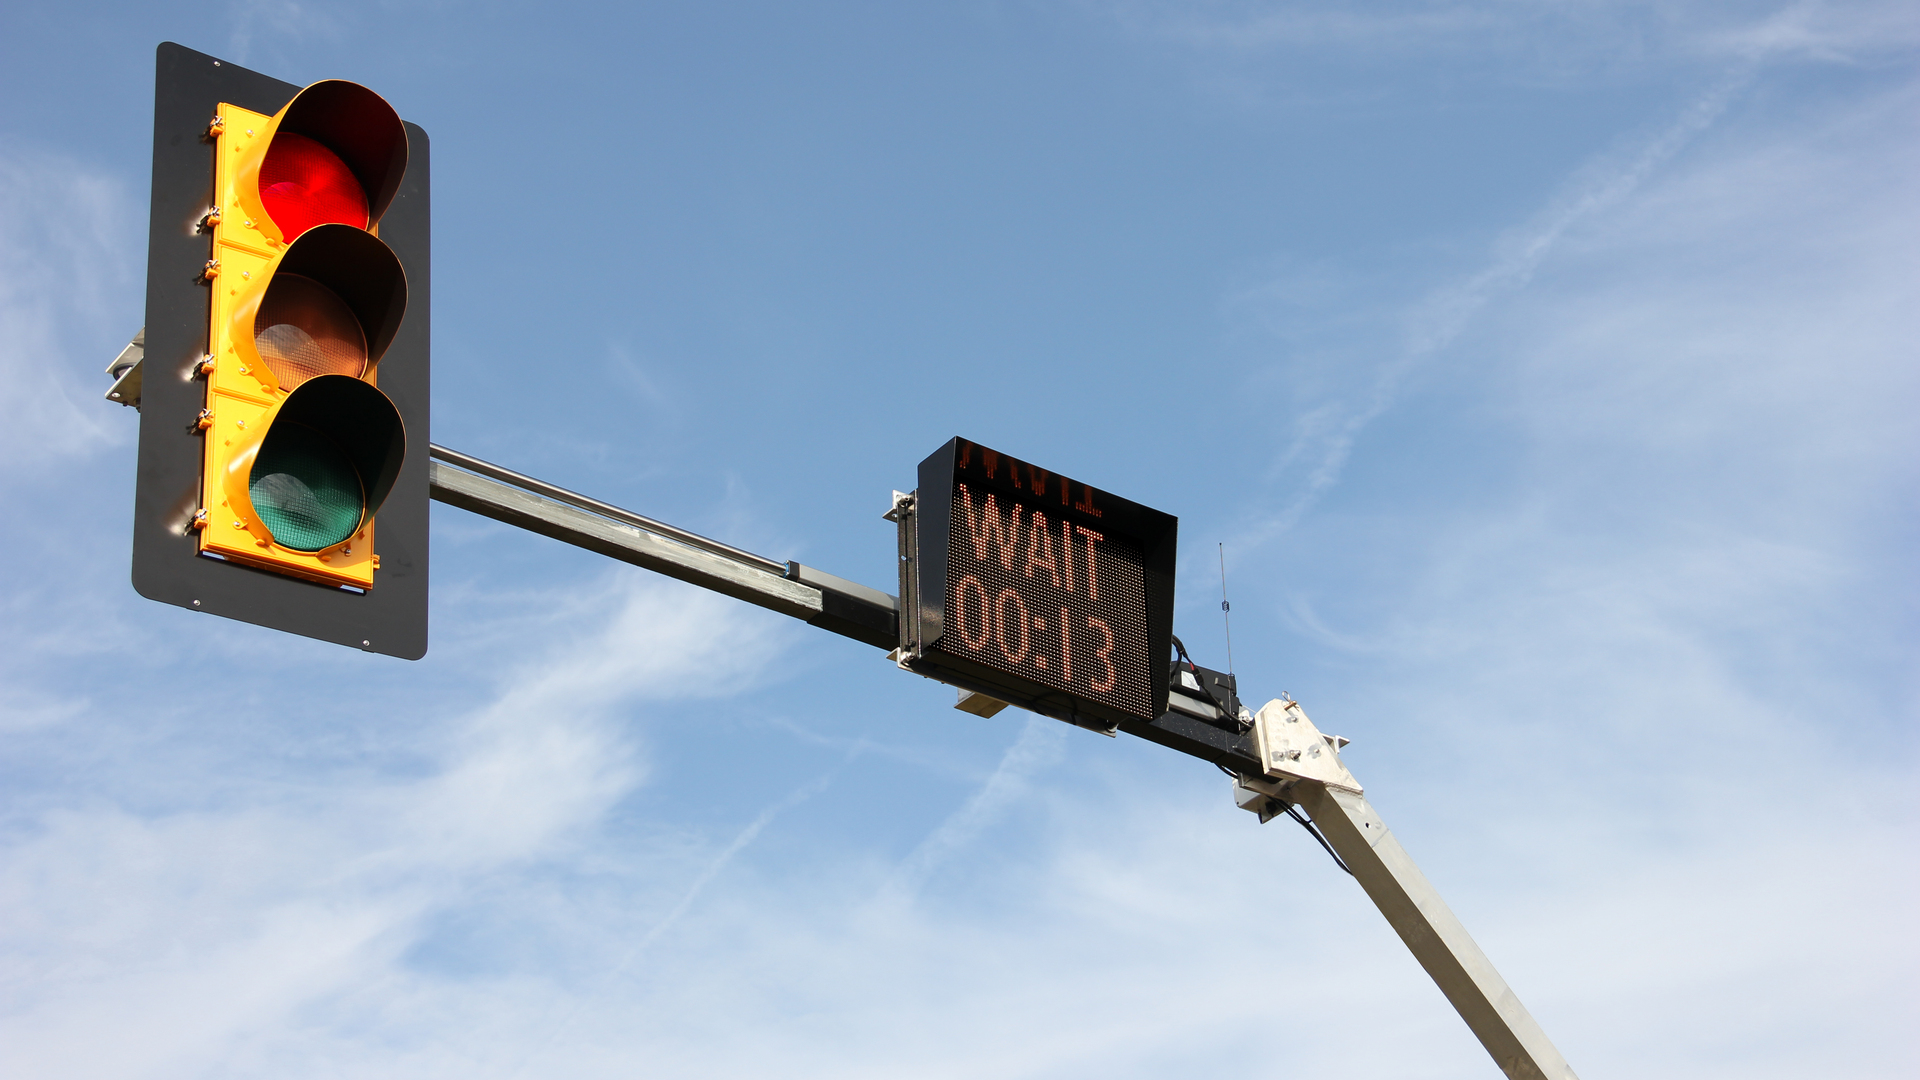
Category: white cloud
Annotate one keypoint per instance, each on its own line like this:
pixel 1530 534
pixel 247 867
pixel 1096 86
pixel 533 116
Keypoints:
pixel 68 303
pixel 178 943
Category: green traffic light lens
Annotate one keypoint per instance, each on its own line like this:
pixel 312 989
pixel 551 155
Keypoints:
pixel 305 489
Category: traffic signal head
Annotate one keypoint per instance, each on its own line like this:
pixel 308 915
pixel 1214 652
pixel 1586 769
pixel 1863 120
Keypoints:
pixel 301 446
pixel 288 367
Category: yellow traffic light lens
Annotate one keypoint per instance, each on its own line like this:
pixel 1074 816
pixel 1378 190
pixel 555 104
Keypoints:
pixel 303 184
pixel 305 489
pixel 304 329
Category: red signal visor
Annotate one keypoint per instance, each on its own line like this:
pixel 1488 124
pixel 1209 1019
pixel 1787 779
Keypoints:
pixel 334 155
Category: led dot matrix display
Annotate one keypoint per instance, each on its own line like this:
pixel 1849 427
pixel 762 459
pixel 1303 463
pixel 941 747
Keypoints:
pixel 1038 589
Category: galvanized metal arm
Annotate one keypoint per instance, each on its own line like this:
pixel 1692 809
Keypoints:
pixel 1192 725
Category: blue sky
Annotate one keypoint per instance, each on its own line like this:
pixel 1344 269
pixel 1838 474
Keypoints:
pixel 1548 372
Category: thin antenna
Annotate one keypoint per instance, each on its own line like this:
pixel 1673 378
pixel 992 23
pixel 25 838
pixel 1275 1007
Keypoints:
pixel 1226 609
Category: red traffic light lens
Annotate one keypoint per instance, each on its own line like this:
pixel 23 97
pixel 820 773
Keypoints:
pixel 303 184
pixel 304 329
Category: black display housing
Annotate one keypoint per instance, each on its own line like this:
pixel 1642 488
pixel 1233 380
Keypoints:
pixel 962 597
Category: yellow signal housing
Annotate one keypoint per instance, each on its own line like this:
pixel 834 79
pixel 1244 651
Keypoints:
pixel 303 305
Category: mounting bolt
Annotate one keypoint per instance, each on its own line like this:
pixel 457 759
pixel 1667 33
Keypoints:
pixel 215 129
pixel 211 270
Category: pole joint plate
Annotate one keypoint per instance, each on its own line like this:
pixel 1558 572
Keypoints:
pixel 1292 749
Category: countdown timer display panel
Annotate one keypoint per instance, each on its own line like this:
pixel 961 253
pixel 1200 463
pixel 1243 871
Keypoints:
pixel 1039 589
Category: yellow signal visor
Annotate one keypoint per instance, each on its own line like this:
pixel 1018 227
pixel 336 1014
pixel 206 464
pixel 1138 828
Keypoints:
pixel 302 489
pixel 334 155
pixel 329 304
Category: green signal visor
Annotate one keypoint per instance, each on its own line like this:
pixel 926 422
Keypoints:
pixel 328 460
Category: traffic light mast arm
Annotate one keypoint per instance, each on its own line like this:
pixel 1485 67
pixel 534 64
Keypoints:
pixel 1192 725
pixel 607 530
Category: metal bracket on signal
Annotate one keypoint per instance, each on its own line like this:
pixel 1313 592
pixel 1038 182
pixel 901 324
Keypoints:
pixel 1291 748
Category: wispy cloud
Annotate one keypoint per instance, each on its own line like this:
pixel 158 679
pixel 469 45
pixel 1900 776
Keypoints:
pixel 1527 40
pixel 195 930
pixel 1038 745
pixel 630 954
pixel 254 26
pixel 1323 437
pixel 68 303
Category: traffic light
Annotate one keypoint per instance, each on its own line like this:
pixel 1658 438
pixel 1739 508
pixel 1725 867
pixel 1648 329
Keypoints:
pixel 301 445
pixel 284 412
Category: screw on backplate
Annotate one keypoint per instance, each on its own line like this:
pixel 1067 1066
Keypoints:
pixel 366 644
pixel 196 603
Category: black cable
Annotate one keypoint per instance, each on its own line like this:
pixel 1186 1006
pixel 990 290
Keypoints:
pixel 1312 829
pixel 1238 723
pixel 1315 833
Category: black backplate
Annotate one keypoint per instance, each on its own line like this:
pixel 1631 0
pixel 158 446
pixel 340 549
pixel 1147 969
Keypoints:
pixel 390 618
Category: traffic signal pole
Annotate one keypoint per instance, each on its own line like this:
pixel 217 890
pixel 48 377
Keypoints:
pixel 1431 932
pixel 1277 758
